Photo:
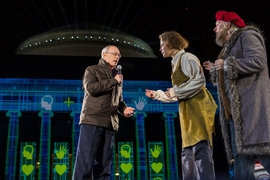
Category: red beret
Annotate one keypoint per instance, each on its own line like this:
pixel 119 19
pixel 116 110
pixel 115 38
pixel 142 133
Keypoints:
pixel 231 17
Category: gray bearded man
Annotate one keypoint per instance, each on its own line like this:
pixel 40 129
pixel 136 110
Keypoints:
pixel 241 76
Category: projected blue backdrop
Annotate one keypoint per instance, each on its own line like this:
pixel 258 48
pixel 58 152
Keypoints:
pixel 46 158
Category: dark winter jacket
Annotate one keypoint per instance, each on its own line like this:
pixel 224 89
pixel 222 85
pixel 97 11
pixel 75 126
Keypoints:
pixel 103 98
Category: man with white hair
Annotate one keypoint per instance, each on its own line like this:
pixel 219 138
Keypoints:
pixel 99 121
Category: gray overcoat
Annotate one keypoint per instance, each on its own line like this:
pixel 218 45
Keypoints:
pixel 248 89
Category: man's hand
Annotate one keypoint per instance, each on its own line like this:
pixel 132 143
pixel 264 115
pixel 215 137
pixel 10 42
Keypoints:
pixel 168 93
pixel 119 78
pixel 208 65
pixel 219 64
pixel 150 93
pixel 129 111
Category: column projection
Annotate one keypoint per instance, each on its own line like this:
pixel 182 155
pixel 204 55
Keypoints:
pixel 12 143
pixel 171 156
pixel 142 167
pixel 75 134
pixel 45 145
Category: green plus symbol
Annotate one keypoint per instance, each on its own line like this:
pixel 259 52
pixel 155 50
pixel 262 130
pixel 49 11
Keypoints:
pixel 68 102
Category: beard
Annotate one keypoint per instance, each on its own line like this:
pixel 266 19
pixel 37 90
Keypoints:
pixel 222 36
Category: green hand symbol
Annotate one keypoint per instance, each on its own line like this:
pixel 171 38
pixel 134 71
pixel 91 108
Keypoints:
pixel 62 151
pixel 156 152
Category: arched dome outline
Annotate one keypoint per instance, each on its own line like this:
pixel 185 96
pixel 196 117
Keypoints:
pixel 88 39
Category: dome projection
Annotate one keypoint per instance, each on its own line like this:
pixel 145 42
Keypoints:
pixel 84 39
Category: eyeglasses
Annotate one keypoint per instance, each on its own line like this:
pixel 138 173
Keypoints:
pixel 115 54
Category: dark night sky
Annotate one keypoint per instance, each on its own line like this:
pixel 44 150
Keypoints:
pixel 145 19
